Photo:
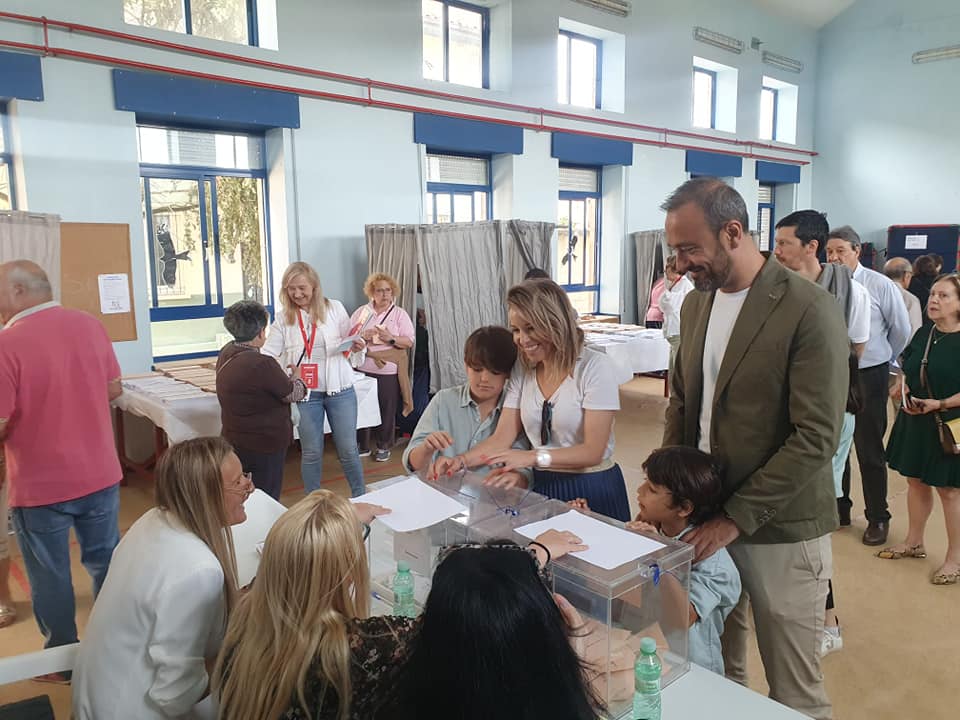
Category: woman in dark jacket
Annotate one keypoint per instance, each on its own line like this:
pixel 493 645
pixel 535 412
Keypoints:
pixel 255 395
pixel 924 273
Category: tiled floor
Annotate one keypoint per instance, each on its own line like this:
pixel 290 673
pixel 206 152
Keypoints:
pixel 900 659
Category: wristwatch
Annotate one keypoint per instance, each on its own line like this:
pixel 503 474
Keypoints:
pixel 544 459
pixel 392 341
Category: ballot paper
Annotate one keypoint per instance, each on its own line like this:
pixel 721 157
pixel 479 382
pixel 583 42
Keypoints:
pixel 413 504
pixel 610 546
pixel 348 343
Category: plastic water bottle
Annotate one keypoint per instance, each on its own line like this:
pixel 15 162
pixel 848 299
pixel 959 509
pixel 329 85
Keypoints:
pixel 403 604
pixel 646 682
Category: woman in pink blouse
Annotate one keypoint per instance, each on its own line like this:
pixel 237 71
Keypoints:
pixel 386 327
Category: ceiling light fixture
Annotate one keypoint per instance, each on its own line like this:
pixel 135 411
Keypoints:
pixel 942 53
pixel 782 62
pixel 615 7
pixel 719 40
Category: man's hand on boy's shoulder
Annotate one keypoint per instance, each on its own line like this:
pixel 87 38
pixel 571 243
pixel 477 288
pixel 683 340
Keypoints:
pixel 711 536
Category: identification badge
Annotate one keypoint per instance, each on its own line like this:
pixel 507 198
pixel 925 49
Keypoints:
pixel 310 375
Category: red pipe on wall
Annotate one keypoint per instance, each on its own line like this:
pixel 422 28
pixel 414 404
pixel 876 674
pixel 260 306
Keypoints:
pixel 359 100
pixel 394 87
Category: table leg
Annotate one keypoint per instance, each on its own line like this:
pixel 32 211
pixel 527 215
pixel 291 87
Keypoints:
pixel 144 468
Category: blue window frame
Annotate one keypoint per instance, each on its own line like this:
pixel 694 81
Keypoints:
pixel 704 98
pixel 769 100
pixel 456 42
pixel 458 188
pixel 165 15
pixel 8 195
pixel 579 69
pixel 207 234
pixel 765 215
pixel 579 244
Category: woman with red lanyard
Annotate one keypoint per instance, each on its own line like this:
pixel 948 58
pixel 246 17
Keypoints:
pixel 384 326
pixel 308 333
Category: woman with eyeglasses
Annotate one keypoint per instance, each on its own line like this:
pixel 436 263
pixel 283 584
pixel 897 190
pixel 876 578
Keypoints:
pixel 300 644
pixel 159 619
pixel 564 397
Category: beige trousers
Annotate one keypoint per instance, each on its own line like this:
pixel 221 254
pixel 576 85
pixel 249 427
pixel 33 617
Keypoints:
pixel 786 585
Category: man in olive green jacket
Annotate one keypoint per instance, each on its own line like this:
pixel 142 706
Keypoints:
pixel 760 382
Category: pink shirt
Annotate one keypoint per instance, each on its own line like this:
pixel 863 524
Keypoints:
pixel 397 322
pixel 654 313
pixel 55 365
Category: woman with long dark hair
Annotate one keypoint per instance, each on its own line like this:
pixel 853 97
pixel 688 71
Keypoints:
pixel 493 642
pixel 924 274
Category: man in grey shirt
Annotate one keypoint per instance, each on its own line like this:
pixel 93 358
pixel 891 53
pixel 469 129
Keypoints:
pixel 889 334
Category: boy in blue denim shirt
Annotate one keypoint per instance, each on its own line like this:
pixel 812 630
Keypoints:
pixel 683 490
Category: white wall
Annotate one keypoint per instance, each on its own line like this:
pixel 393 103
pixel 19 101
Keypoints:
pixel 349 165
pixel 886 128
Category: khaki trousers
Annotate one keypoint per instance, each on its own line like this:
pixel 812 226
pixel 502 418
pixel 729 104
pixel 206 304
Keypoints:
pixel 786 585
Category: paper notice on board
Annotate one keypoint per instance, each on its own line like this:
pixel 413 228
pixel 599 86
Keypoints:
pixel 915 242
pixel 114 293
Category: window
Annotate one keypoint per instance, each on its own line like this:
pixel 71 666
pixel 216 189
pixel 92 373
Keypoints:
pixel 704 98
pixel 6 163
pixel 578 237
pixel 578 70
pixel 205 214
pixel 236 21
pixel 456 45
pixel 765 210
pixel 458 189
pixel 714 95
pixel 768 113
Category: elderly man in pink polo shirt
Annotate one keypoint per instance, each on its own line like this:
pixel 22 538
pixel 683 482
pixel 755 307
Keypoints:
pixel 58 374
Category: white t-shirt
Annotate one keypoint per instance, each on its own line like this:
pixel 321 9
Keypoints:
pixel 593 386
pixel 858 324
pixel 723 316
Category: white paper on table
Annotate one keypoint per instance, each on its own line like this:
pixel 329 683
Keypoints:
pixel 610 546
pixel 915 242
pixel 414 505
pixel 114 293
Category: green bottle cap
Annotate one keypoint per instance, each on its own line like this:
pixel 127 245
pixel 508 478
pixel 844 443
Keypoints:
pixel 648 646
pixel 403 567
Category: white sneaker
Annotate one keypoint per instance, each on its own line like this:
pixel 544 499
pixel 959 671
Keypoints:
pixel 830 643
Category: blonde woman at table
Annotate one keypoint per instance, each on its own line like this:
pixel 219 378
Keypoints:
pixel 308 334
pixel 564 397
pixel 160 617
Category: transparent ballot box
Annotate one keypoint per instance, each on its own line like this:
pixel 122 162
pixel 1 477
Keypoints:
pixel 420 548
pixel 646 597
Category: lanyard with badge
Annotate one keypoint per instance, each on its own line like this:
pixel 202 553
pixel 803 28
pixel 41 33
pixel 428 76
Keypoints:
pixel 309 372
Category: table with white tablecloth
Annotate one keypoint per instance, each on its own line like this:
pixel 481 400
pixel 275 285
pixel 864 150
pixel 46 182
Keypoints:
pixel 637 350
pixel 181 411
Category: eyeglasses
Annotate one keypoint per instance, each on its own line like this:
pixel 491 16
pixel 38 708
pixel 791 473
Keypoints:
pixel 242 485
pixel 546 423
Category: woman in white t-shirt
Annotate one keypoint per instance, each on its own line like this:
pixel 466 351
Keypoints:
pixel 309 333
pixel 563 395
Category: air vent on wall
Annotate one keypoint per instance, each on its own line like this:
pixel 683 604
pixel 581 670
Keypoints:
pixel 782 62
pixel 942 53
pixel 724 42
pixel 614 7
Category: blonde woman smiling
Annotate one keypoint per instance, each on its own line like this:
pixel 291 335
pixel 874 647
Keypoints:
pixel 307 335
pixel 564 397
pixel 160 616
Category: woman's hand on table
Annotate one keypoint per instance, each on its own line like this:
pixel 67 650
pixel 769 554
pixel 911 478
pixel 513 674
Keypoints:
pixel 506 479
pixel 445 466
pixel 366 512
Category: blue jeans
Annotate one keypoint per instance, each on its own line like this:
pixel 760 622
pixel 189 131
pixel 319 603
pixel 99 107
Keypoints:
pixel 341 410
pixel 43 534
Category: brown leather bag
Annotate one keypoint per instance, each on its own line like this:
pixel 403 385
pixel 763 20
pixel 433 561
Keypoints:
pixel 949 430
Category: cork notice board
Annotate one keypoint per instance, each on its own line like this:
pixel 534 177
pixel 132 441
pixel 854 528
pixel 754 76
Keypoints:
pixel 88 250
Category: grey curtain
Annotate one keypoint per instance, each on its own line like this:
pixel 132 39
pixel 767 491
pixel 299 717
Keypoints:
pixel 392 249
pixel 524 244
pixel 461 273
pixel 32 236
pixel 651 246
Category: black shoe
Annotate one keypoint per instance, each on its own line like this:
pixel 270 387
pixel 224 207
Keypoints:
pixel 876 533
pixel 844 512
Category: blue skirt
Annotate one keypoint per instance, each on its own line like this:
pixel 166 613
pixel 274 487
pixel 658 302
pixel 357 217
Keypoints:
pixel 605 491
